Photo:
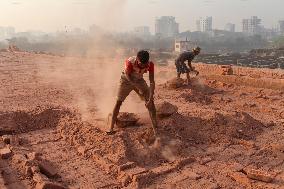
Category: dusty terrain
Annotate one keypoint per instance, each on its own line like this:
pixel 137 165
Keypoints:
pixel 219 132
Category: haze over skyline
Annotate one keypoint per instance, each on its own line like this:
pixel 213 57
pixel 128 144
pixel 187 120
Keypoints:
pixel 124 15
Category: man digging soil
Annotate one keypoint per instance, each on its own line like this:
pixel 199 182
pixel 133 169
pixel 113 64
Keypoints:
pixel 132 79
pixel 181 66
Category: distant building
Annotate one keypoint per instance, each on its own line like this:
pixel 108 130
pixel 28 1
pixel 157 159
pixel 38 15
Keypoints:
pixel 6 32
pixel 281 26
pixel 204 25
pixel 142 31
pixel 230 27
pixel 181 45
pixel 2 32
pixel 77 31
pixel 166 26
pixel 198 26
pixel 252 25
pixel 268 33
pixel 10 31
pixel 93 29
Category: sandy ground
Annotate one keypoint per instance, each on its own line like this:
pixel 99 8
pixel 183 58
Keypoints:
pixel 223 132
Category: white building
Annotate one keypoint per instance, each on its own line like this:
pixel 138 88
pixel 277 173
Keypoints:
pixel 6 32
pixel 142 31
pixel 252 25
pixel 281 26
pixel 198 26
pixel 230 27
pixel 166 26
pixel 186 45
pixel 204 25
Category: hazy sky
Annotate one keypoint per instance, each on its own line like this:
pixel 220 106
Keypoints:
pixel 123 15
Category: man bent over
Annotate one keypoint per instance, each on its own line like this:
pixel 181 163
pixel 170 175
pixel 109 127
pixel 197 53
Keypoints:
pixel 181 66
pixel 132 79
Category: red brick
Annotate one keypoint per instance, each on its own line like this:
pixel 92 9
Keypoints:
pixel 205 160
pixel 236 166
pixel 241 178
pixel 135 171
pixel 39 178
pixel 183 162
pixel 47 168
pixel 127 165
pixel 140 180
pixel 259 175
pixel 49 185
pixel 186 176
pixel 162 170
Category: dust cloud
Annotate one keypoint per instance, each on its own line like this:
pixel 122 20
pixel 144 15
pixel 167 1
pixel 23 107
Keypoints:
pixel 93 80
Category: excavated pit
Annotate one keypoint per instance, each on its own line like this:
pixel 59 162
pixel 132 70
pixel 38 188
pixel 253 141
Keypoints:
pixel 177 134
pixel 125 119
pixel 25 121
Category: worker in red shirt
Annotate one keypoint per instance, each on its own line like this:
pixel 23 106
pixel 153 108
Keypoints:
pixel 132 79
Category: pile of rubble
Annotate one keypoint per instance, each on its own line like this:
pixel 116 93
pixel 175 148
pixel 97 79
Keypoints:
pixel 13 48
pixel 40 172
pixel 174 83
pixel 226 70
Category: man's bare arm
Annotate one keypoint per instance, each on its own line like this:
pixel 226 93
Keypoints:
pixel 152 85
pixel 190 66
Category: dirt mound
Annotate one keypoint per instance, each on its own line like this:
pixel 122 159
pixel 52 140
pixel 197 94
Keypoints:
pixel 217 128
pixel 197 97
pixel 21 121
pixel 174 83
pixel 93 139
pixel 136 145
pixel 125 119
pixel 166 109
pixel 267 83
pixel 131 145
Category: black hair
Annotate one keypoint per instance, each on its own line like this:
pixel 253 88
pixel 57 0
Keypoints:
pixel 143 56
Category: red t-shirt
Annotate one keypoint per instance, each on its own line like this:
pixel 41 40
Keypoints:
pixel 131 65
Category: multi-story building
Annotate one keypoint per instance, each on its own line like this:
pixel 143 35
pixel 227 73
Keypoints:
pixel 281 26
pixel 184 45
pixel 198 26
pixel 166 26
pixel 142 31
pixel 204 25
pixel 230 27
pixel 251 25
pixel 6 32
